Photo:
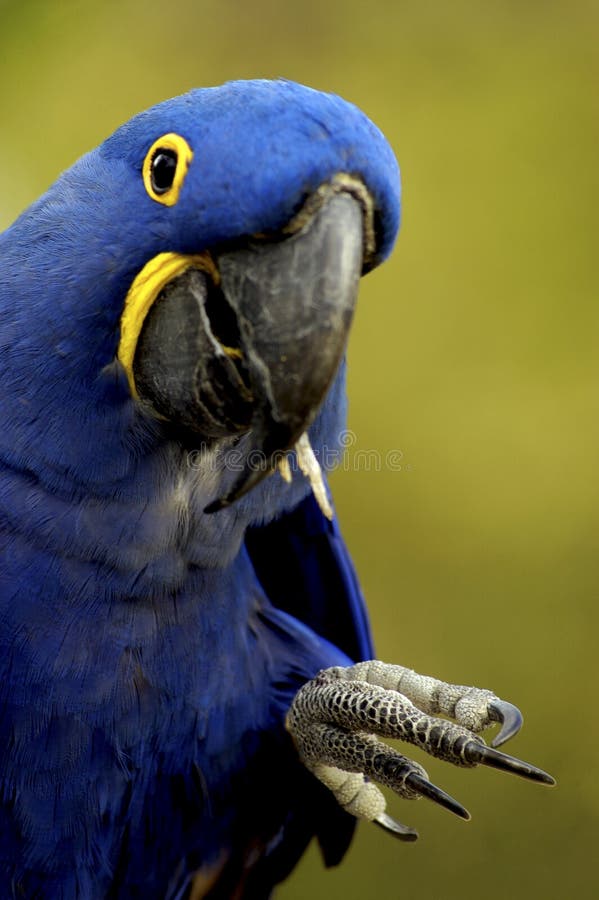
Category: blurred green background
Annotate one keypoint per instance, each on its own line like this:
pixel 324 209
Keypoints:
pixel 474 354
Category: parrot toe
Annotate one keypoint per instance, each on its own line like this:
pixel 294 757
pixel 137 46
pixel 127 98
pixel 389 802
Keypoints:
pixel 334 719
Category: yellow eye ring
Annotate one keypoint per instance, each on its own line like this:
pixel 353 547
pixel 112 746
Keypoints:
pixel 165 168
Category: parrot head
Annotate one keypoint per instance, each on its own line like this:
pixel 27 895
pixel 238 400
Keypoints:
pixel 195 276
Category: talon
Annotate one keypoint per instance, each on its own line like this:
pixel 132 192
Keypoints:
pixel 476 752
pixel 510 718
pixel 402 832
pixel 427 789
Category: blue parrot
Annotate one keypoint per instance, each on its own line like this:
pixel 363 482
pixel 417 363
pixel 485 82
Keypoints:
pixel 184 702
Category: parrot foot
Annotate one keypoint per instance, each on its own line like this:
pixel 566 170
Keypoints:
pixel 334 718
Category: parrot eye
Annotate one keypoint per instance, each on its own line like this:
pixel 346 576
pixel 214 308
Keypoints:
pixel 165 168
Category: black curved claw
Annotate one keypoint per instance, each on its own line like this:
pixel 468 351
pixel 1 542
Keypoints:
pixel 427 789
pixel 476 752
pixel 401 832
pixel 510 718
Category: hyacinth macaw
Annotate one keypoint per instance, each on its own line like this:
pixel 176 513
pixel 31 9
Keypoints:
pixel 185 692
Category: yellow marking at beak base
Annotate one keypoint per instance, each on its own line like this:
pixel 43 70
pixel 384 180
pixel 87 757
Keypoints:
pixel 144 291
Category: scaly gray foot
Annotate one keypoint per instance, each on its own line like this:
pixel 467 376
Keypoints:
pixel 334 719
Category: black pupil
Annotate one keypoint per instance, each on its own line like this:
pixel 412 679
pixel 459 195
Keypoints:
pixel 164 166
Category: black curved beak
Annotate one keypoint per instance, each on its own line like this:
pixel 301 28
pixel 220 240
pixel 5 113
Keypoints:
pixel 257 352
